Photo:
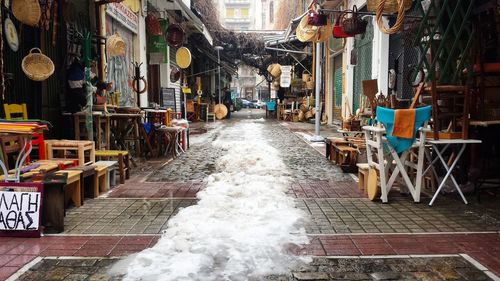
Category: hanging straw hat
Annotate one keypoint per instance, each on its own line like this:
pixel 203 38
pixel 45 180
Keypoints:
pixel 306 32
pixel 183 57
pixel 324 32
pixel 27 11
pixel 115 45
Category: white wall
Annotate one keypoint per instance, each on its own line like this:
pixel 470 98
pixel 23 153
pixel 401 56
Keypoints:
pixel 142 42
pixel 380 60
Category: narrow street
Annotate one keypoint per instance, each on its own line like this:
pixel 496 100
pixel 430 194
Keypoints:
pixel 252 200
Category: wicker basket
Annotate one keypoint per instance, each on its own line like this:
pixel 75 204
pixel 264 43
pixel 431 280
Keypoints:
pixel 310 85
pixel 27 11
pixel 37 66
pixel 391 6
pixel 274 70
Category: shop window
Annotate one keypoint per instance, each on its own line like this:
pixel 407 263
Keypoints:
pixel 244 13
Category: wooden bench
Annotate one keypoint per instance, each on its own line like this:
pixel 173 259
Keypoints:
pixel 87 180
pixel 122 156
pixel 100 183
pixel 72 189
pixel 79 148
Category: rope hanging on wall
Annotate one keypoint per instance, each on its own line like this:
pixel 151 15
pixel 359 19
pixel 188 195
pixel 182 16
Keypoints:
pixel 399 19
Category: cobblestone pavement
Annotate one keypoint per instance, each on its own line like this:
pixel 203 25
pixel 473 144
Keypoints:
pixel 352 268
pixel 342 222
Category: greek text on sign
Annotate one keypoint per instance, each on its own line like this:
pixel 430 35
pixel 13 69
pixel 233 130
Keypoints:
pixel 124 15
pixel 19 210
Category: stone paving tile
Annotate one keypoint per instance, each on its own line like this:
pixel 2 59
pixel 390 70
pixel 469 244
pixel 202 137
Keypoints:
pixel 158 190
pixel 330 216
pixel 484 247
pixel 429 268
pixel 123 216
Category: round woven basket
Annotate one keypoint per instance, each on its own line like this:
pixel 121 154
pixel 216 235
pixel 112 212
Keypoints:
pixel 220 111
pixel 175 35
pixel 310 85
pixel 391 6
pixel 37 66
pixel 27 11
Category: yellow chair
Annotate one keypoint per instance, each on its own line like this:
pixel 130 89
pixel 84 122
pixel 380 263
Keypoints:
pixel 11 109
pixel 37 140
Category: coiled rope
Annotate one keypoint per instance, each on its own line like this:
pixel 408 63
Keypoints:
pixel 399 19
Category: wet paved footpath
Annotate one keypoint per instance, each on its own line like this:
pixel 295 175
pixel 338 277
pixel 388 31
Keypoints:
pixel 351 238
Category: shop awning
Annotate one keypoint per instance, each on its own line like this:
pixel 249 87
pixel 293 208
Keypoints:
pixel 193 19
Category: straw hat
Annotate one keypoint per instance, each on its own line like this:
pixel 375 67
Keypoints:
pixel 324 32
pixel 306 32
pixel 115 45
pixel 310 33
pixel 183 57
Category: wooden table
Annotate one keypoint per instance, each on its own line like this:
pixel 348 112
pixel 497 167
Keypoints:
pixel 123 126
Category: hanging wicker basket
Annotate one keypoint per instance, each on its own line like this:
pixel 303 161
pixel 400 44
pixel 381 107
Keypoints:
pixel 274 70
pixel 354 25
pixel 27 11
pixel 391 6
pixel 37 66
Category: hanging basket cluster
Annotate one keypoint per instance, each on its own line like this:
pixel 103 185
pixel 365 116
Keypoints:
pixel 115 45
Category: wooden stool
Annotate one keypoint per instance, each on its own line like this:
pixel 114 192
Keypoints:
pixel 123 161
pixel 346 157
pixel 363 169
pixel 80 147
pixel 87 179
pixel 72 189
pixel 110 168
pixel 100 180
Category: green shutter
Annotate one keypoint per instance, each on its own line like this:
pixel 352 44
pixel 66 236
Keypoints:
pixel 337 86
pixel 363 45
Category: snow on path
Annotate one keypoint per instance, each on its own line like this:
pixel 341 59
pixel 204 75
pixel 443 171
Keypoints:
pixel 241 225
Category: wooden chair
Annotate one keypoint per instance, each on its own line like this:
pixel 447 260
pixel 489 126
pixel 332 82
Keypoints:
pixel 37 140
pixel 210 112
pixel 190 111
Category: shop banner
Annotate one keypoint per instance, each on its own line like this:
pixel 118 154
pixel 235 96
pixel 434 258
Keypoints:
pixel 157 46
pixel 124 15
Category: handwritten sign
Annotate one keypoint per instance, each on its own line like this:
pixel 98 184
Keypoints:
pixel 124 15
pixel 20 208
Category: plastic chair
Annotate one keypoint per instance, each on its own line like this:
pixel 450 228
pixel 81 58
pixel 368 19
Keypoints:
pixel 270 107
pixel 37 140
pixel 377 141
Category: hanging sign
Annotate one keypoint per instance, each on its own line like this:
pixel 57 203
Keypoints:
pixel 286 76
pixel 20 209
pixel 124 15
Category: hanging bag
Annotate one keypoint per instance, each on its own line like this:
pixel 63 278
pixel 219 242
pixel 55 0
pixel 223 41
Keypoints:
pixel 354 25
pixel 338 30
pixel 317 19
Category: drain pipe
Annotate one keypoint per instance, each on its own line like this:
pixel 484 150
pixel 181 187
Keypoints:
pixel 317 79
